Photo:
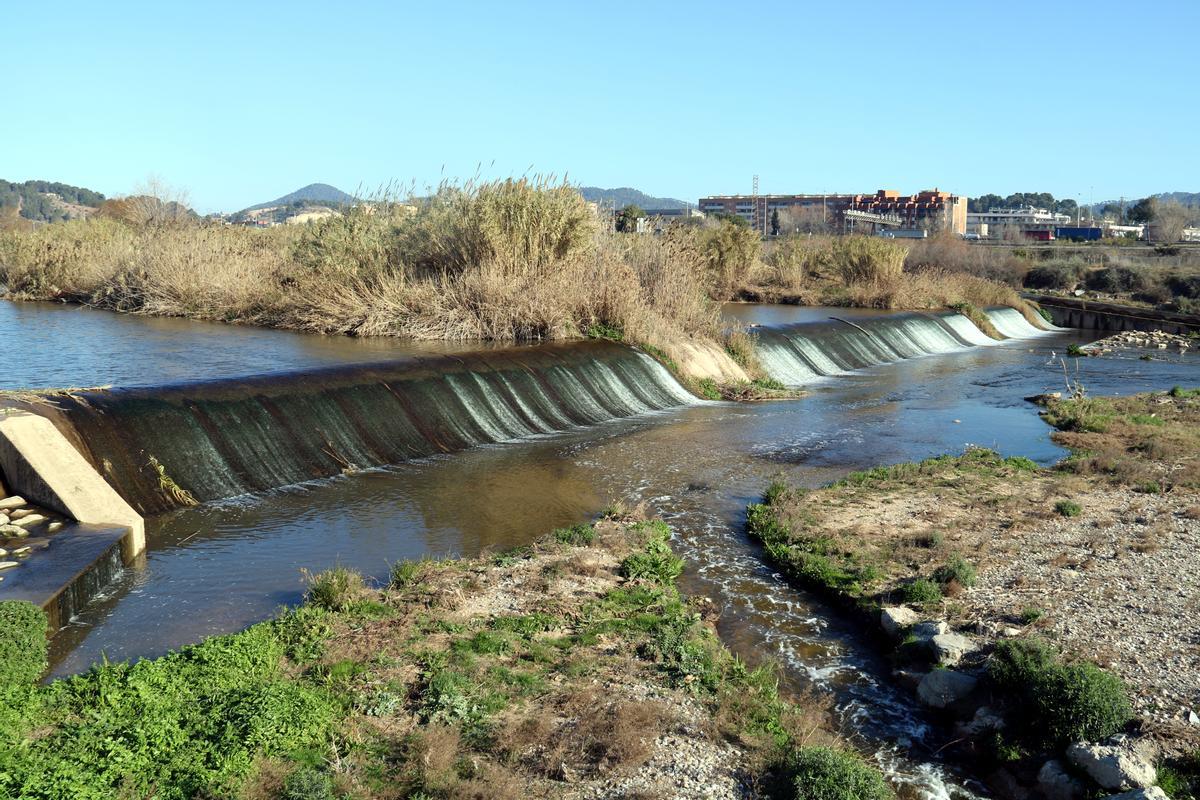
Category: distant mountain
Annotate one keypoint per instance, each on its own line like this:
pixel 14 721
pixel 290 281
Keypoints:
pixel 1183 198
pixel 313 194
pixel 619 198
pixel 48 201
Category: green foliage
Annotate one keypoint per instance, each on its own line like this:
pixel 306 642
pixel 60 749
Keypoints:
pixel 823 773
pixel 32 198
pixel 1180 778
pixel 576 535
pixel 1031 614
pixel 627 217
pixel 770 384
pixel 334 589
pixel 656 564
pixel 188 724
pixel 708 389
pixel 405 573
pixel 1075 351
pixel 308 784
pixel 23 644
pixel 1068 508
pixel 603 330
pixel 1046 315
pixel 1058 703
pixel 956 569
pixel 921 591
pixel 1021 463
pixel 1179 391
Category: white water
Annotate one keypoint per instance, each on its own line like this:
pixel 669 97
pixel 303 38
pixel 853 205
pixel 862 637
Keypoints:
pixel 1012 323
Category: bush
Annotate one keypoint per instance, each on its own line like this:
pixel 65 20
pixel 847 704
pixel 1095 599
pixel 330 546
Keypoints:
pixel 1052 276
pixel 657 564
pixel 22 644
pixel 576 535
pixel 334 589
pixel 921 591
pixel 822 773
pixel 1068 508
pixel 957 569
pixel 1058 703
pixel 308 784
pixel 863 259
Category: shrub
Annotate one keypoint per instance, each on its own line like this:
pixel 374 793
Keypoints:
pixel 22 644
pixel 921 591
pixel 956 569
pixel 863 259
pixel 1068 508
pixel 404 573
pixel 1053 276
pixel 334 589
pixel 1058 703
pixel 308 784
pixel 576 535
pixel 657 563
pixel 823 773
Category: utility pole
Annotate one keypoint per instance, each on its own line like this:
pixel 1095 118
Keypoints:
pixel 754 199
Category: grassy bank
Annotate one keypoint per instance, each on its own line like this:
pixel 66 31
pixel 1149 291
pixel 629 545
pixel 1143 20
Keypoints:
pixel 571 667
pixel 987 545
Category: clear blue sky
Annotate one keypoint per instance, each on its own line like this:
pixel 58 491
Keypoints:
pixel 242 102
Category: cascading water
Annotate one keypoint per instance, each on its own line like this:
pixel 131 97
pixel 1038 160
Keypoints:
pixel 223 438
pixel 802 353
pixel 1012 323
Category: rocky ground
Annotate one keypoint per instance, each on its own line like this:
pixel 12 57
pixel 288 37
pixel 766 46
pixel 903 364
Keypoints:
pixel 1140 340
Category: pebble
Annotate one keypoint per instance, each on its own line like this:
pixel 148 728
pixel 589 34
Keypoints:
pixel 9 564
pixel 12 502
pixel 29 521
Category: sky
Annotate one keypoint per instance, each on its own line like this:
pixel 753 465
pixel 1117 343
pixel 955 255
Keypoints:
pixel 235 103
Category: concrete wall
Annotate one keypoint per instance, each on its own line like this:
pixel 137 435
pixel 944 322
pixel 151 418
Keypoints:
pixel 39 464
pixel 1088 315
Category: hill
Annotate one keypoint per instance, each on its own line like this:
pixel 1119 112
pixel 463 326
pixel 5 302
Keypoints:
pixel 619 198
pixel 313 194
pixel 48 201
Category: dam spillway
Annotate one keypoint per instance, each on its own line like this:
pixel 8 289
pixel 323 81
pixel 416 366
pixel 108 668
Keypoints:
pixel 805 352
pixel 162 447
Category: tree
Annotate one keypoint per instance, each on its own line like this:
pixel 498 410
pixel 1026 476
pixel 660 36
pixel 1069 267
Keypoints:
pixel 1169 221
pixel 775 222
pixel 1143 210
pixel 627 218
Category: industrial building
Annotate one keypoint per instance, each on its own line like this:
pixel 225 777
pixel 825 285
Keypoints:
pixel 931 210
pixel 1027 220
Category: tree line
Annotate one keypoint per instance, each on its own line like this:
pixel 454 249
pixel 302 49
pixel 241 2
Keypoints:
pixel 35 204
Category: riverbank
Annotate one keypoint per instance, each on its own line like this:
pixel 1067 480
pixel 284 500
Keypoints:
pixel 972 562
pixel 569 668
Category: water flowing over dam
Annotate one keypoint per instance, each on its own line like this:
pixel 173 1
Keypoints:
pixel 221 438
pixel 802 353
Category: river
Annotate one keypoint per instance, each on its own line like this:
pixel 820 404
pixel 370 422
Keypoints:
pixel 223 565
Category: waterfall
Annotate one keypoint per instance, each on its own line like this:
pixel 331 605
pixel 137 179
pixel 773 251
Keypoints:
pixel 805 352
pixel 227 437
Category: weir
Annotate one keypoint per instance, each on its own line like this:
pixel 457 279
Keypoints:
pixel 168 446
pixel 805 352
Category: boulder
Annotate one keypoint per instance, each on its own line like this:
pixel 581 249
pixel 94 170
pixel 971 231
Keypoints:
pixel 1147 793
pixel 984 721
pixel 1044 399
pixel 1117 767
pixel 944 688
pixel 896 619
pixel 949 648
pixel 12 530
pixel 29 521
pixel 11 502
pixel 1058 784
pixel 924 631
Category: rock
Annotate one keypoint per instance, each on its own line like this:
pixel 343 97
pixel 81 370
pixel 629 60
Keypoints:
pixel 943 688
pixel 20 551
pixel 1043 399
pixel 909 679
pixel 3 519
pixel 18 513
pixel 1117 767
pixel 896 619
pixel 30 521
pixel 11 502
pixel 985 720
pixel 949 648
pixel 54 527
pixel 13 530
pixel 1058 784
pixel 924 631
pixel 9 564
pixel 1010 633
pixel 1148 793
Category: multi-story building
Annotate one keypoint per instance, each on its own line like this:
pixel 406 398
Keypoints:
pixel 1024 220
pixel 930 210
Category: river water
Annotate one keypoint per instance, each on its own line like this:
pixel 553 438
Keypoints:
pixel 223 565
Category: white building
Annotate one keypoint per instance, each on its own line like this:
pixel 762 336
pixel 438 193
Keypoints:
pixel 1026 218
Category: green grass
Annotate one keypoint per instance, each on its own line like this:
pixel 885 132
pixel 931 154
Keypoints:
pixel 576 535
pixel 822 773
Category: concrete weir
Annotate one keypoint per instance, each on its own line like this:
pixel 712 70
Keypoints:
pixel 74 559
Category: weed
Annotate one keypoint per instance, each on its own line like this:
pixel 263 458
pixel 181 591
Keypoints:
pixel 1031 614
pixel 23 644
pixel 1068 508
pixel 404 574
pixel 708 389
pixel 334 589
pixel 308 784
pixel 957 569
pixel 576 535
pixel 823 773
pixel 920 592
pixel 1075 351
